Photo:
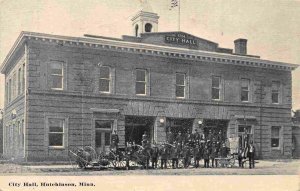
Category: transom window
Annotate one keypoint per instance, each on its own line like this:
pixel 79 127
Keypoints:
pixel 56 75
pixel 245 89
pixel 275 136
pixel 141 82
pixel 244 129
pixel 105 79
pixel 56 132
pixel 180 85
pixel 275 91
pixel 216 88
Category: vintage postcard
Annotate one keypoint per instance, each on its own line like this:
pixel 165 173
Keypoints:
pixel 149 95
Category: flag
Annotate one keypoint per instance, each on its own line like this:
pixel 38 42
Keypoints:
pixel 174 3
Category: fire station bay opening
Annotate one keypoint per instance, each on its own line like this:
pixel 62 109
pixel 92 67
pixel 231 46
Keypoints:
pixel 215 129
pixel 136 126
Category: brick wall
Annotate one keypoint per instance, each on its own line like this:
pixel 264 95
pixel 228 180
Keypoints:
pixel 81 94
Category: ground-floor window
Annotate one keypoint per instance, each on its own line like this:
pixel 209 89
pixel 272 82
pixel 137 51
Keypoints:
pixel 56 132
pixel 275 136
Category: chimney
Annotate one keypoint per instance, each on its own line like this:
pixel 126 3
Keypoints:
pixel 240 46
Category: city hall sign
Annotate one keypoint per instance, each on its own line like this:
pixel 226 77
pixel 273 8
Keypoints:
pixel 181 39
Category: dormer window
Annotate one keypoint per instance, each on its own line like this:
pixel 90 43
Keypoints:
pixel 148 27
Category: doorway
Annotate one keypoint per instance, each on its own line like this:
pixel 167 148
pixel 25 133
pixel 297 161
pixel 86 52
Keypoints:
pixel 135 128
pixel 103 130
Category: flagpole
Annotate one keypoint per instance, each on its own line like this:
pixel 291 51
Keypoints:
pixel 178 15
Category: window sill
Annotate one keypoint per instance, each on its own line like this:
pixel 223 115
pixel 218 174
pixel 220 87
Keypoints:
pixel 275 148
pixel 104 92
pixel 141 94
pixel 56 147
pixel 57 89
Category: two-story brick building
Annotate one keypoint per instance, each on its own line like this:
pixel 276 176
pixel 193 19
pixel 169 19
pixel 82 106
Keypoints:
pixel 63 91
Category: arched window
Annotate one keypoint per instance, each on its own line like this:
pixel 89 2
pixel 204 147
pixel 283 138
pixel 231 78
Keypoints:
pixel 136 30
pixel 148 27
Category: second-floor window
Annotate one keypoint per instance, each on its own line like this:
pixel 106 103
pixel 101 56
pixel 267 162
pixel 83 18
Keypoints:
pixel 9 90
pixel 56 75
pixel 216 88
pixel 141 82
pixel 275 91
pixel 245 90
pixel 19 80
pixel 180 85
pixel 105 79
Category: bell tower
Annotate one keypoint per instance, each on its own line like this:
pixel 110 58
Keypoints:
pixel 145 20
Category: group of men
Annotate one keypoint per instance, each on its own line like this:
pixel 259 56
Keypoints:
pixel 187 146
pixel 191 145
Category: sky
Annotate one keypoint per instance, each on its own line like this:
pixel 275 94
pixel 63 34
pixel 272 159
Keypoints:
pixel 272 27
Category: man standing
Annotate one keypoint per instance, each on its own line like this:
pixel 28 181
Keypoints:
pixel 115 140
pixel 196 137
pixel 144 139
pixel 154 155
pixel 170 137
pixel 251 153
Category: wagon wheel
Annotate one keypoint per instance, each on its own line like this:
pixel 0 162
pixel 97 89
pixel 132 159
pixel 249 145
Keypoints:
pixel 231 162
pixel 92 152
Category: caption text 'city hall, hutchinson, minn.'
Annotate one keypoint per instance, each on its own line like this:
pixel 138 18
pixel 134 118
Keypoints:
pixel 63 92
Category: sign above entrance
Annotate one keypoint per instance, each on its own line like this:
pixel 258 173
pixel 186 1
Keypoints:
pixel 181 39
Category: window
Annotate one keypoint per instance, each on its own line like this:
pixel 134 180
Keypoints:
pixel 180 85
pixel 56 75
pixel 244 129
pixel 245 88
pixel 148 27
pixel 275 138
pixel 103 133
pixel 216 87
pixel 23 78
pixel 6 92
pixel 275 91
pixel 9 90
pixel 56 132
pixel 141 82
pixel 19 81
pixel 105 80
pixel 14 85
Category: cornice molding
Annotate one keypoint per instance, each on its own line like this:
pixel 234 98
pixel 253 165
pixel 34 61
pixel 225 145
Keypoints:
pixel 148 49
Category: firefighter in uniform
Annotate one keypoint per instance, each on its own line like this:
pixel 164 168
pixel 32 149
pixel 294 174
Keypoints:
pixel 251 152
pixel 170 137
pixel 144 139
pixel 196 137
pixel 115 140
pixel 175 155
pixel 164 156
pixel 154 155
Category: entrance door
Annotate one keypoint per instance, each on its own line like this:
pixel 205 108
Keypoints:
pixel 135 128
pixel 103 131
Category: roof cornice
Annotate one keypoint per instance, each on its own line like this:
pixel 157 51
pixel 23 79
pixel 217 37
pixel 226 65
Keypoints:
pixel 149 49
